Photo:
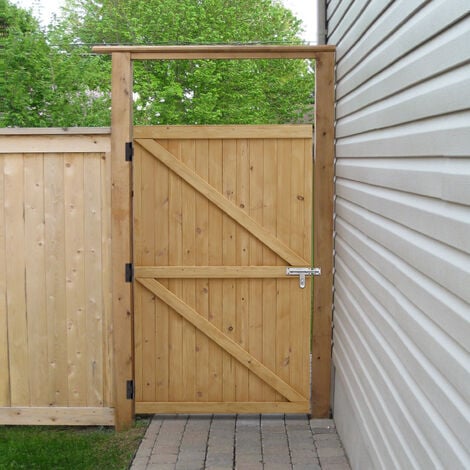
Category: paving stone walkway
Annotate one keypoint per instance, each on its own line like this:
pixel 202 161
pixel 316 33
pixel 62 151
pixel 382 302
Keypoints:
pixel 242 442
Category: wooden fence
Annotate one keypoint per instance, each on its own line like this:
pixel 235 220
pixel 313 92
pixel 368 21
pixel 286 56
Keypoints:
pixel 66 310
pixel 55 279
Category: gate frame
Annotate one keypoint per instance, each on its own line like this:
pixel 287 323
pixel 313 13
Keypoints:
pixel 121 205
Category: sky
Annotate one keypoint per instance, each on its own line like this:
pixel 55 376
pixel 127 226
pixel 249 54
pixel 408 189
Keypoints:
pixel 303 9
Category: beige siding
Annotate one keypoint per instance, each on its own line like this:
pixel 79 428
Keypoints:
pixel 402 280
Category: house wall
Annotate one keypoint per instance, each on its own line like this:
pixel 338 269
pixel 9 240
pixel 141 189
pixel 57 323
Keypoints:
pixel 402 264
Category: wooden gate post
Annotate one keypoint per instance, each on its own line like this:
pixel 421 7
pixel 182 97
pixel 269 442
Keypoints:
pixel 323 233
pixel 121 243
pixel 323 202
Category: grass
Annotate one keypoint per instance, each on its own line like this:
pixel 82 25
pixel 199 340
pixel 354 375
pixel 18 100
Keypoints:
pixel 68 448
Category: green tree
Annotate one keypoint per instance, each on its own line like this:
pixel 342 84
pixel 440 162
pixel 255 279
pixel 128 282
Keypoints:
pixel 73 86
pixel 24 68
pixel 43 85
pixel 199 92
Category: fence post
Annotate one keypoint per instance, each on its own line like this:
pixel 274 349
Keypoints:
pixel 121 233
pixel 323 233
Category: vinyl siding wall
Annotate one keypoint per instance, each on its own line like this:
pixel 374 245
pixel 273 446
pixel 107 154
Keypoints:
pixel 402 279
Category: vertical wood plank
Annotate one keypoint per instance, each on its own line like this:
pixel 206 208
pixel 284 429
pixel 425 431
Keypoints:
pixel 148 303
pixel 202 259
pixel 270 259
pixel 106 275
pixel 139 291
pixel 308 202
pixel 242 259
pixel 229 177
pixel 188 154
pixel 4 363
pixel 323 233
pixel 175 327
pixel 255 326
pixel 35 278
pixel 16 288
pixel 297 295
pixel 75 279
pixel 93 279
pixel 161 221
pixel 121 251
pixel 307 253
pixel 216 246
pixel 284 218
pixel 54 204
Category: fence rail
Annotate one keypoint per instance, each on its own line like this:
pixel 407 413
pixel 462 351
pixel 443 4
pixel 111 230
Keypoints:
pixel 55 277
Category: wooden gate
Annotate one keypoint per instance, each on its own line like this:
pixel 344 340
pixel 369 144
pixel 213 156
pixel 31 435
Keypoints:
pixel 219 214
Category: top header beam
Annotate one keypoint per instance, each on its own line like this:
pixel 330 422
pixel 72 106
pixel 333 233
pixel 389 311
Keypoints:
pixel 217 52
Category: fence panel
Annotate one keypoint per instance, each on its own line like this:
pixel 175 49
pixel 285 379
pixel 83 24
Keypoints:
pixel 55 297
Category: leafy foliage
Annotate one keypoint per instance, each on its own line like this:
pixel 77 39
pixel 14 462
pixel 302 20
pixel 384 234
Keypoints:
pixel 23 68
pixel 41 85
pixel 62 84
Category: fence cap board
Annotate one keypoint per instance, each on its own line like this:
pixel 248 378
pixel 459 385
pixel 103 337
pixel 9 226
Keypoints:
pixel 54 130
pixel 239 51
pixel 270 131
pixel 18 143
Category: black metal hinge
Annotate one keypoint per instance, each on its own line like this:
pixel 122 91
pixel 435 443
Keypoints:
pixel 129 151
pixel 129 272
pixel 130 389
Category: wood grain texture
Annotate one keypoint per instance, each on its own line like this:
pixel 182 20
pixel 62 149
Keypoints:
pixel 323 235
pixel 288 131
pixel 55 243
pixel 16 283
pixel 216 273
pixel 216 254
pixel 221 339
pixel 75 279
pixel 216 51
pixel 38 144
pixel 56 353
pixel 35 271
pixel 94 292
pixel 220 201
pixel 121 250
pixel 57 416
pixel 202 242
pixel 212 272
pixel 222 408
pixel 4 361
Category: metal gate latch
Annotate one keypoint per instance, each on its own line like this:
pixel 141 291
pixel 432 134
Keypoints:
pixel 302 272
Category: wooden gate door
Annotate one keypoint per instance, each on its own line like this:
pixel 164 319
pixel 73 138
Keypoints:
pixel 219 214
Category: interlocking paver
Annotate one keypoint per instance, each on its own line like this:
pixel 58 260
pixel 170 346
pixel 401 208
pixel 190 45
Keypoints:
pixel 140 463
pixel 330 444
pixel 309 466
pixel 334 460
pixel 243 442
pixel 163 458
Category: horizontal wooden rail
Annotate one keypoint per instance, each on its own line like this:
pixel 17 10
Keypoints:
pixel 56 143
pixel 291 131
pixel 218 407
pixel 210 272
pixel 55 130
pixel 217 51
pixel 57 416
